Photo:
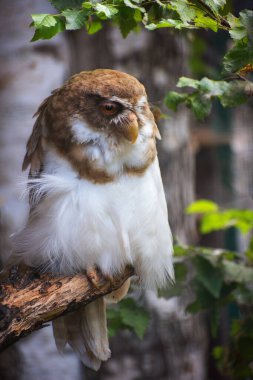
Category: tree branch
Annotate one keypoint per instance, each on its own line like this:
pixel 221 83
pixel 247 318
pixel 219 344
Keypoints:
pixel 28 299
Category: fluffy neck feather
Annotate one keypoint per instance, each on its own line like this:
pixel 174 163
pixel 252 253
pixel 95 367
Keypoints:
pixel 101 156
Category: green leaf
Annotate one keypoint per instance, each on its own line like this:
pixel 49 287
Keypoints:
pixel 137 16
pixel 43 20
pixel 235 94
pixel 168 23
pixel 229 94
pixel 114 321
pixel 87 5
pixel 215 5
pixel 180 272
pixel 126 20
pixel 235 272
pixel 218 352
pixel 246 18
pixel 128 315
pixel 213 88
pixel 94 26
pixel 130 4
pixel 194 307
pixel 201 105
pixel 47 32
pixel 211 277
pixel 241 27
pixel 206 22
pixel 243 295
pixel 204 298
pixel 179 250
pixel 237 31
pixel 215 222
pixel 197 16
pixel 186 12
pixel 134 316
pixel 107 10
pixel 75 19
pixel 188 82
pixel 236 58
pixel 66 4
pixel 202 206
pixel 241 219
pixel 173 99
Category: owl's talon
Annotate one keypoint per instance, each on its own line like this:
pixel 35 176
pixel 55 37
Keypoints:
pixel 97 278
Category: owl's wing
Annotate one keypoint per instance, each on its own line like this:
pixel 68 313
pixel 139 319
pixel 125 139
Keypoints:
pixel 34 151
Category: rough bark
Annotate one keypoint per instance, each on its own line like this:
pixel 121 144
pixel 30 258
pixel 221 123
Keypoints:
pixel 30 299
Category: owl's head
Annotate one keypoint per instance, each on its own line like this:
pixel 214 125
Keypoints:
pixel 106 100
pixel 92 113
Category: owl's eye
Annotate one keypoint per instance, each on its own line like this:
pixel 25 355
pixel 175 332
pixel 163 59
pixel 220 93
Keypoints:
pixel 108 108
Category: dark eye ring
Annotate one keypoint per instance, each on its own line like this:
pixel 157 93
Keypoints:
pixel 109 108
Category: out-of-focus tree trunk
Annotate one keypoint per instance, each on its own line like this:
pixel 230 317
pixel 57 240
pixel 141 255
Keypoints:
pixel 242 147
pixel 174 347
pixel 28 73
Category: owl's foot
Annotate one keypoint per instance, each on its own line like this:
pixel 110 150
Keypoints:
pixel 97 278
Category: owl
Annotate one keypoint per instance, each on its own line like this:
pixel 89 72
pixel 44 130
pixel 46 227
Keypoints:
pixel 96 196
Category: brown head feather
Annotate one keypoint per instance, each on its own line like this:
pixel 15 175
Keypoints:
pixel 75 99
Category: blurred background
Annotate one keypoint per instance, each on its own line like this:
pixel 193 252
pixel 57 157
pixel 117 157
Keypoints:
pixel 212 160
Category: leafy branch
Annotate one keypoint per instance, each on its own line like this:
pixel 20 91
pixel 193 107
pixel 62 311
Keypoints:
pixel 235 86
pixel 220 279
pixel 128 15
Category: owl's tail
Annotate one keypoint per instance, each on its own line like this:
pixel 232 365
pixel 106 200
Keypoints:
pixel 85 330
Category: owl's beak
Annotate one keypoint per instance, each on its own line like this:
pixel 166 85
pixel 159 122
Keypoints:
pixel 131 129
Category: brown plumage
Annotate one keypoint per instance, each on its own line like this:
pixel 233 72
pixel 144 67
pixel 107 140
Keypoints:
pixel 96 196
pixel 77 98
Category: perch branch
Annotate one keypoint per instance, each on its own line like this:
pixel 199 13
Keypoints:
pixel 28 299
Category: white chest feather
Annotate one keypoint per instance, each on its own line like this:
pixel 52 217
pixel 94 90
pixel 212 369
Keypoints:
pixel 79 224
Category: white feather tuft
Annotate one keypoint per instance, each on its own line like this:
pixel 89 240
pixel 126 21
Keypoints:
pixel 79 224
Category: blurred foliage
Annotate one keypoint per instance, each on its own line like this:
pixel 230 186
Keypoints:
pixel 218 279
pixel 221 279
pixel 127 315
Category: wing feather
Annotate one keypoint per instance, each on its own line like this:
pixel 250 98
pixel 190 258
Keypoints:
pixel 34 151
